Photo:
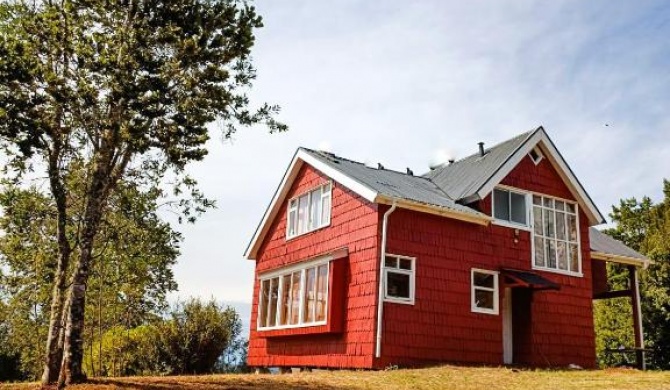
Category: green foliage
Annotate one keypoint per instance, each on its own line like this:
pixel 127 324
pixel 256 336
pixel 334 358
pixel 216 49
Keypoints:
pixel 644 226
pixel 195 335
pixel 128 286
pixel 190 340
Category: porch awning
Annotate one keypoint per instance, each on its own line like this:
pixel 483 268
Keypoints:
pixel 526 279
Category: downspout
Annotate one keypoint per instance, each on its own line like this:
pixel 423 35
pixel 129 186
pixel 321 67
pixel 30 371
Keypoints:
pixel 380 298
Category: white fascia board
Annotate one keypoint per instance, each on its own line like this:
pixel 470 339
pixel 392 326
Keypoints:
pixel 644 263
pixel 301 157
pixel 554 156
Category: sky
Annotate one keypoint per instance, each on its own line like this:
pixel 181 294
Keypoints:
pixel 403 83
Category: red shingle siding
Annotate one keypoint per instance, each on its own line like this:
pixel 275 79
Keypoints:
pixel 353 225
pixel 441 327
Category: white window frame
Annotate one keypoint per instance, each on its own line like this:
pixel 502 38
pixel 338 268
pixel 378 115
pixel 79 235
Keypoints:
pixel 412 279
pixel 557 270
pixel 495 290
pixel 540 156
pixel 280 273
pixel 289 209
pixel 528 203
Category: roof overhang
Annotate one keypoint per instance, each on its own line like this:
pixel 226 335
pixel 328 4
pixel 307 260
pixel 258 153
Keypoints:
pixel 527 279
pixel 301 157
pixel 540 137
pixel 644 263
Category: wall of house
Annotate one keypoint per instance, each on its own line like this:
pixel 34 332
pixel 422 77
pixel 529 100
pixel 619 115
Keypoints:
pixel 440 325
pixel 354 226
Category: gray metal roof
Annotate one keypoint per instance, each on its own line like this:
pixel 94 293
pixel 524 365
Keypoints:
pixel 601 242
pixel 465 177
pixel 392 183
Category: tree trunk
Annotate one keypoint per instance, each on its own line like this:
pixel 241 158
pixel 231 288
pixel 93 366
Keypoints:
pixel 72 364
pixel 54 345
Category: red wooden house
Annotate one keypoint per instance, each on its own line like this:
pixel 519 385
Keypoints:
pixel 486 260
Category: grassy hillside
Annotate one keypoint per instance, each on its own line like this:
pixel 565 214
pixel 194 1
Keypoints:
pixel 447 377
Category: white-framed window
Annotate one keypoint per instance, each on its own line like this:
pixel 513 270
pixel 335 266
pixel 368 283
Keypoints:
pixel 309 211
pixel 556 245
pixel 399 279
pixel 510 207
pixel 536 155
pixel 484 291
pixel 294 297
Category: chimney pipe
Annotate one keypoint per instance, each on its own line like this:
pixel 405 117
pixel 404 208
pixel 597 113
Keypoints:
pixel 481 149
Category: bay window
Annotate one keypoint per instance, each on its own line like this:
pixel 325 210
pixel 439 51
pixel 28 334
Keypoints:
pixel 556 235
pixel 295 297
pixel 309 211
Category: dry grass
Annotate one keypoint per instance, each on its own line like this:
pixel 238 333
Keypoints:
pixel 446 377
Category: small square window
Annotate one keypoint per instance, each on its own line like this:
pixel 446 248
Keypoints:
pixel 399 279
pixel 484 291
pixel 535 155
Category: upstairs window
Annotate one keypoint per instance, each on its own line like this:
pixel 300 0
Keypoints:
pixel 484 291
pixel 295 297
pixel 309 211
pixel 399 279
pixel 556 235
pixel 510 207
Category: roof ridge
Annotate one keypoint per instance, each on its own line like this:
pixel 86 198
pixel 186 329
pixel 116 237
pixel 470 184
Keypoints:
pixel 528 134
pixel 321 152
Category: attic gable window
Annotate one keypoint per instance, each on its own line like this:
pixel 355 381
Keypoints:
pixel 510 207
pixel 309 211
pixel 536 155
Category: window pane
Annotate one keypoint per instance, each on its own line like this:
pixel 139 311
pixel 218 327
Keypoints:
pixel 574 258
pixel 303 213
pixel 548 202
pixel 315 219
pixel 321 292
pixel 551 253
pixel 539 252
pixel 264 298
pixel 562 254
pixel 325 210
pixel 272 308
pixel 484 299
pixel 286 300
pixel 405 264
pixel 397 285
pixel 518 208
pixel 483 280
pixel 537 200
pixel 560 205
pixel 292 222
pixel 501 204
pixel 570 207
pixel 537 220
pixel 295 298
pixel 560 225
pixel 391 262
pixel 309 298
pixel 572 227
pixel 549 225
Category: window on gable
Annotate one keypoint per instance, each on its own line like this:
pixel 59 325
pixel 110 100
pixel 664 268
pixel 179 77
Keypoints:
pixel 294 298
pixel 510 206
pixel 399 279
pixel 535 155
pixel 555 235
pixel 309 211
pixel 484 291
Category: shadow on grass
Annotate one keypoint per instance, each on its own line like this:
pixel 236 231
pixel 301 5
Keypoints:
pixel 231 383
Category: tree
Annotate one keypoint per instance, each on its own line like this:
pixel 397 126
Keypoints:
pixel 645 226
pixel 135 252
pixel 127 88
